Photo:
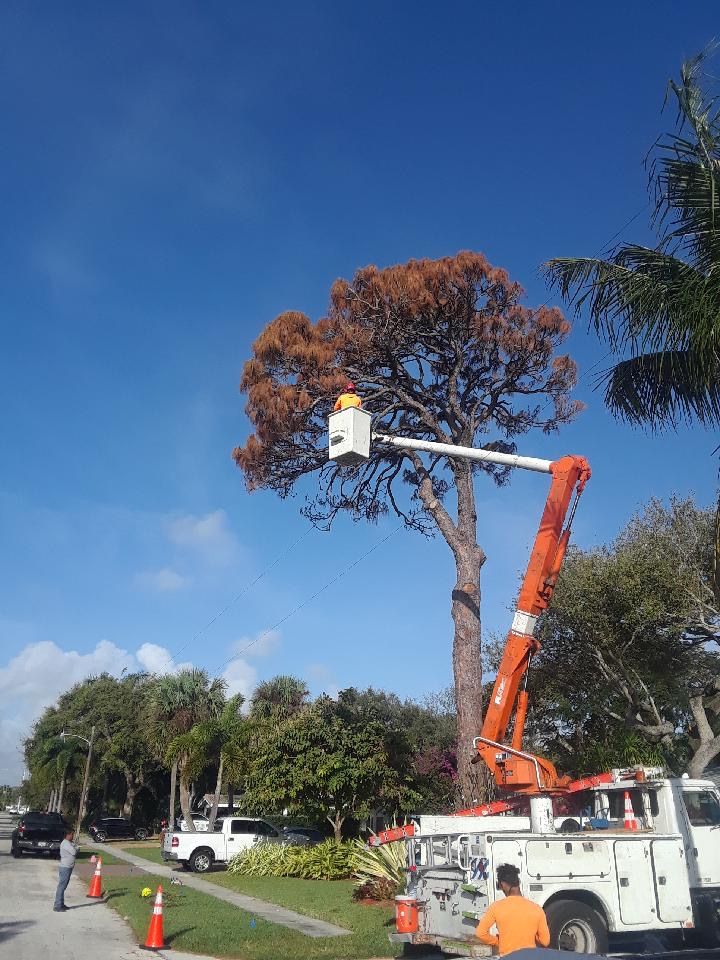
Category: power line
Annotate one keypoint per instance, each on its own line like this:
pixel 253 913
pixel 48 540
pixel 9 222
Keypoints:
pixel 246 589
pixel 335 579
pixel 314 596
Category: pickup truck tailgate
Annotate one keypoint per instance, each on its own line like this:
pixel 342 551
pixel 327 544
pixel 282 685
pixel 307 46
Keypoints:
pixel 169 851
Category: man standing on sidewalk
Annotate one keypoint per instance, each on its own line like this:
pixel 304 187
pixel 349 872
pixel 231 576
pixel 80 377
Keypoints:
pixel 520 923
pixel 68 853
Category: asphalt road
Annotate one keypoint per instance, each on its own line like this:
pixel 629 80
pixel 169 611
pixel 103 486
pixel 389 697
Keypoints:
pixel 31 930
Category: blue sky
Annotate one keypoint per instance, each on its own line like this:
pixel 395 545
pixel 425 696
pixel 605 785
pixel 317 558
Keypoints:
pixel 176 174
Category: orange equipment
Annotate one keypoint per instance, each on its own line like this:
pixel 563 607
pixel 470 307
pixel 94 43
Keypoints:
pixel 515 770
pixel 630 821
pixel 406 914
pixel 95 888
pixel 155 939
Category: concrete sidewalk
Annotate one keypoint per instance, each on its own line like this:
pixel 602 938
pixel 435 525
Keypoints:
pixel 260 908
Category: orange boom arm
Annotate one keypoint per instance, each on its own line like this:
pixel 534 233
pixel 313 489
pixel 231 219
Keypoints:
pixel 512 768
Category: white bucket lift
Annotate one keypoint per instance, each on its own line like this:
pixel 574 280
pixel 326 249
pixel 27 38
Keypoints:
pixel 350 431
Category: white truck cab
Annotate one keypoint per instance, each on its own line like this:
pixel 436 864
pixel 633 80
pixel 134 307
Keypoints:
pixel 199 850
pixel 594 871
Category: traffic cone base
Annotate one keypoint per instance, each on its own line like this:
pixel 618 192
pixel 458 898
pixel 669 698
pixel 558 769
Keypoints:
pixel 95 891
pixel 155 939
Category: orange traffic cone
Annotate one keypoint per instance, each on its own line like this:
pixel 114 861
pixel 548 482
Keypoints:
pixel 630 823
pixel 95 888
pixel 154 939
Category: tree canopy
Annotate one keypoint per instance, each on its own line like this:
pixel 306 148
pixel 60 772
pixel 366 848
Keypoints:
pixel 442 350
pixel 330 763
pixel 630 666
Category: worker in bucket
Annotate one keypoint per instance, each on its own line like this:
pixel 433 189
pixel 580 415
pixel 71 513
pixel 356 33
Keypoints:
pixel 519 922
pixel 348 398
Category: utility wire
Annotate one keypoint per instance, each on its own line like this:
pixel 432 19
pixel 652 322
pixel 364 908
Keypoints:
pixel 314 596
pixel 379 543
pixel 246 589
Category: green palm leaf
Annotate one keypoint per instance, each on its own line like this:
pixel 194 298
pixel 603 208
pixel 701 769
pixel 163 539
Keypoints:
pixel 661 305
pixel 662 388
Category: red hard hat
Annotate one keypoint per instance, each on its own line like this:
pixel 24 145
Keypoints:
pixel 350 387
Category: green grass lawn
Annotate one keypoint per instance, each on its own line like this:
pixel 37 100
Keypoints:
pixel 329 900
pixel 145 850
pixel 199 923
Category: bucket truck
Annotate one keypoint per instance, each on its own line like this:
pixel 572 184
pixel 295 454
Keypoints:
pixel 623 852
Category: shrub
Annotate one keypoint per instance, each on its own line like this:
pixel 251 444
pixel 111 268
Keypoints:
pixel 379 872
pixel 326 861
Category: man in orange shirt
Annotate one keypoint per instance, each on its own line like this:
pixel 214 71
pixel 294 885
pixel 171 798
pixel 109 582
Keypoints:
pixel 348 398
pixel 520 923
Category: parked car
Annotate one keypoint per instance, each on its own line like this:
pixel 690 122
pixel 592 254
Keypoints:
pixel 38 833
pixel 115 828
pixel 302 836
pixel 199 819
pixel 198 851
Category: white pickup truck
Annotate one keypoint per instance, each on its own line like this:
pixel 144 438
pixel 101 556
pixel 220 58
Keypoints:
pixel 198 851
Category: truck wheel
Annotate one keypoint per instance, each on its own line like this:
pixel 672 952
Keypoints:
pixel 576 927
pixel 201 861
pixel 707 924
pixel 16 852
pixel 141 834
pixel 100 836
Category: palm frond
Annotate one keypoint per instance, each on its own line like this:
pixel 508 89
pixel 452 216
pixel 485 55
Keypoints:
pixel 663 389
pixel 686 170
pixel 716 556
pixel 642 297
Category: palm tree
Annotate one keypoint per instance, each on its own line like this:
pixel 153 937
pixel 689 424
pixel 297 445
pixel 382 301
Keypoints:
pixel 64 760
pixel 220 738
pixel 279 699
pixel 661 305
pixel 179 702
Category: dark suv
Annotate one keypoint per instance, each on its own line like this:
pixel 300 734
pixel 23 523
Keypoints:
pixel 302 836
pixel 113 828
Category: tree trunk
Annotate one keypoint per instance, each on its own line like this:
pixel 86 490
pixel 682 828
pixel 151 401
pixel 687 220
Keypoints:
pixel 216 798
pixel 461 537
pixel 133 788
pixel 51 803
pixel 709 746
pixel 171 807
pixel 337 823
pixel 106 790
pixel 231 798
pixel 185 796
pixel 58 805
pixel 467 668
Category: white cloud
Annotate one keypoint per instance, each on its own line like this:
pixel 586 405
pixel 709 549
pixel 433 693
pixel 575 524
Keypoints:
pixel 322 679
pixel 241 677
pixel 42 670
pixel 164 580
pixel 156 659
pixel 262 644
pixel 209 535
pixel 35 677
